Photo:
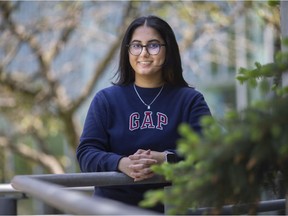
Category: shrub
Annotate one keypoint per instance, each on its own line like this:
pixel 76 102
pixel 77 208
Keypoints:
pixel 231 163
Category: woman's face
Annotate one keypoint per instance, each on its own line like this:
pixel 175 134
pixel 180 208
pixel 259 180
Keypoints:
pixel 147 65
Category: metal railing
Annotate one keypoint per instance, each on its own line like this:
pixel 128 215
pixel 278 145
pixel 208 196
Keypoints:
pixel 50 189
pixel 90 179
pixel 262 206
pixel 70 201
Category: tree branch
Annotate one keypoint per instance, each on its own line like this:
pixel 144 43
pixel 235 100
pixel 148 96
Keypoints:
pixel 71 24
pixel 47 161
pixel 100 68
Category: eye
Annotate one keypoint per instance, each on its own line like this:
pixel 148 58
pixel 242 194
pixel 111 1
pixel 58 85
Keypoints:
pixel 136 46
pixel 153 46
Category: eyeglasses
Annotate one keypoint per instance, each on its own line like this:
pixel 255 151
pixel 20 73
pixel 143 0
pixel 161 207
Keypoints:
pixel 152 48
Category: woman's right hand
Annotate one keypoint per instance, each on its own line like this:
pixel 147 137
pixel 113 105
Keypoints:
pixel 137 166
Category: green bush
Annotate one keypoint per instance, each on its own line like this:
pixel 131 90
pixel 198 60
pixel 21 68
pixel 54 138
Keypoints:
pixel 231 163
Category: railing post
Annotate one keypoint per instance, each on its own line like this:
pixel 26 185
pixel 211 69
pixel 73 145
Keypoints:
pixel 8 206
pixel 286 204
pixel 167 207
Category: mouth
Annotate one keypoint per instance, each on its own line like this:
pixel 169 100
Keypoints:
pixel 144 63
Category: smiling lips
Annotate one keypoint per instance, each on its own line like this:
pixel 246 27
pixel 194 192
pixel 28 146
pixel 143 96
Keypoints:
pixel 144 63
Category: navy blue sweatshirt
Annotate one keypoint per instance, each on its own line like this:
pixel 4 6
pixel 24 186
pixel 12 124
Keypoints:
pixel 118 124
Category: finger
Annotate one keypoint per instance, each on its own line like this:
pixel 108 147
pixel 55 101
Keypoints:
pixel 139 157
pixel 144 177
pixel 139 151
pixel 138 172
pixel 142 173
pixel 147 152
pixel 138 167
pixel 134 157
pixel 144 162
pixel 142 151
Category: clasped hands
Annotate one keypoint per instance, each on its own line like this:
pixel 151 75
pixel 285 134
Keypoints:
pixel 138 165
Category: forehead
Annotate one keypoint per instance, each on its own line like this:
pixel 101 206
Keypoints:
pixel 146 34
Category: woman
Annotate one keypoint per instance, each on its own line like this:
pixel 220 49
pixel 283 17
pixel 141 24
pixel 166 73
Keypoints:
pixel 133 124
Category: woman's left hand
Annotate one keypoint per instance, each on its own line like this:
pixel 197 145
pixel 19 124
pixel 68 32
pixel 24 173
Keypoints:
pixel 142 160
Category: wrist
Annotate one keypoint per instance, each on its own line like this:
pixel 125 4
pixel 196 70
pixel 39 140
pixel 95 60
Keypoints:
pixel 123 164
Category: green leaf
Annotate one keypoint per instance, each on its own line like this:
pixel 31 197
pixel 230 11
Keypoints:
pixel 258 65
pixel 273 3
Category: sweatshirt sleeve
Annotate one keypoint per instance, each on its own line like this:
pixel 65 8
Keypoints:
pixel 197 109
pixel 93 152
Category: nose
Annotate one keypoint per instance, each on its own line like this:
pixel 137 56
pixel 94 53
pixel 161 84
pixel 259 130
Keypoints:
pixel 144 51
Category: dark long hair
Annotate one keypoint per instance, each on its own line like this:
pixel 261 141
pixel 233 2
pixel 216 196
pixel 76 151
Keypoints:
pixel 172 67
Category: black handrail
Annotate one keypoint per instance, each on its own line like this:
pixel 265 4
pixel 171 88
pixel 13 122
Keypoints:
pixel 30 184
pixel 70 201
pixel 262 206
pixel 93 179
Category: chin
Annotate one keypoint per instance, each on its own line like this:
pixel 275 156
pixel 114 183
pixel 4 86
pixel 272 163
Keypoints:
pixel 146 74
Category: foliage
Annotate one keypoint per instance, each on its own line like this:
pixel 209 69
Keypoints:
pixel 52 64
pixel 44 83
pixel 232 163
pixel 273 2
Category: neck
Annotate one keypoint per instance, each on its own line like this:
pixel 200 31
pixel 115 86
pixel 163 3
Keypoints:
pixel 149 84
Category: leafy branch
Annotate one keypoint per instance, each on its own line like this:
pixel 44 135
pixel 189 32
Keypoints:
pixel 232 163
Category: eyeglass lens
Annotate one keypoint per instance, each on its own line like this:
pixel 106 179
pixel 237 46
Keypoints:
pixel 152 49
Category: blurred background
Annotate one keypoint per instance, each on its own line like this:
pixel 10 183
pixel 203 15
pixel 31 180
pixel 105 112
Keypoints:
pixel 55 55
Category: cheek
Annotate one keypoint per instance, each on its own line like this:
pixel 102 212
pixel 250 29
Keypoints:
pixel 162 56
pixel 161 59
pixel 132 60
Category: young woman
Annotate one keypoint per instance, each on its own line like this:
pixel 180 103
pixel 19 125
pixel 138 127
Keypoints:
pixel 133 124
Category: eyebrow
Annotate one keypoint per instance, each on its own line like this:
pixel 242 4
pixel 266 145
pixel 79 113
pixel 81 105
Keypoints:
pixel 150 41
